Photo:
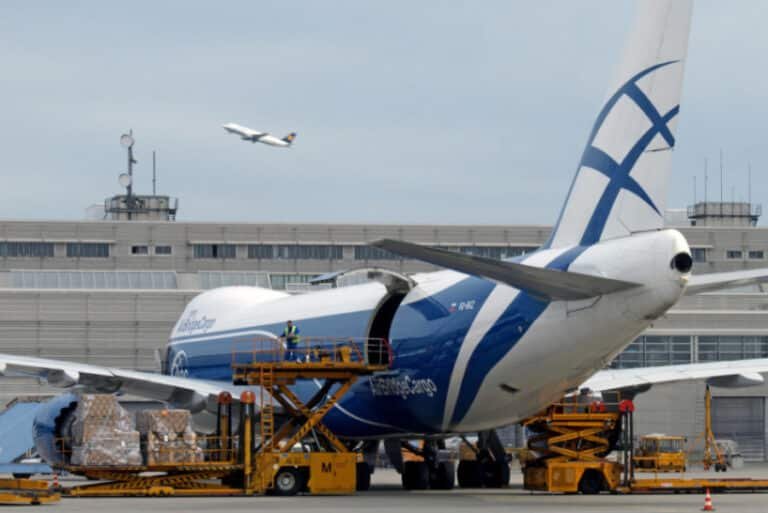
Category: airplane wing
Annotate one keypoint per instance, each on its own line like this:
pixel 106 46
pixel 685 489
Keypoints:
pixel 242 130
pixel 699 283
pixel 736 373
pixel 548 283
pixel 192 394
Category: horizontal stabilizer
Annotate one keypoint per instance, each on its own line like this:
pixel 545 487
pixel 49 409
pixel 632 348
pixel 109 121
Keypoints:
pixel 699 283
pixel 547 283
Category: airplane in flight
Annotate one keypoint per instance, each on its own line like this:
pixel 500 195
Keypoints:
pixel 482 343
pixel 247 134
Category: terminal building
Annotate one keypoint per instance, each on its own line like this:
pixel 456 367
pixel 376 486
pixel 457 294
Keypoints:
pixel 108 291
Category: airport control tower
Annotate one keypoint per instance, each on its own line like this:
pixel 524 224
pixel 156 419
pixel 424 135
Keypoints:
pixel 721 213
pixel 138 207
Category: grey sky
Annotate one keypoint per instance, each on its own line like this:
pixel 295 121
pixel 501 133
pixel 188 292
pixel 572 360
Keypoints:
pixel 433 112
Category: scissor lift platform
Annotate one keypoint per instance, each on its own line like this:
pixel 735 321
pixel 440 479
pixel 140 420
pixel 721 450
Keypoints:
pixel 337 363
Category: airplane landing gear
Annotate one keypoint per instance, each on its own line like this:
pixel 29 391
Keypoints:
pixel 489 468
pixel 433 470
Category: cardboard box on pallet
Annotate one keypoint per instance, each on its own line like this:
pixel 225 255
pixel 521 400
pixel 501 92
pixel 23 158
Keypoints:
pixel 167 437
pixel 103 433
pixel 162 421
pixel 110 450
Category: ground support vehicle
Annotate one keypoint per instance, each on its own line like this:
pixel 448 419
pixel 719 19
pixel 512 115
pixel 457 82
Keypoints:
pixel 263 457
pixel 27 491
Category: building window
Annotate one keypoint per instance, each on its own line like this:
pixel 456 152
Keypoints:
pixel 496 252
pixel 756 254
pixel 734 254
pixel 655 350
pixel 26 249
pixel 93 279
pixel 214 251
pixel 139 250
pixel 263 251
pixel 309 252
pixel 88 249
pixel 699 254
pixel 279 281
pixel 731 347
pixel 163 250
pixel 214 279
pixel 372 253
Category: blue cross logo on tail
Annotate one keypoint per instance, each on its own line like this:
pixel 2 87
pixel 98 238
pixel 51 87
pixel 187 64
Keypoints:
pixel 618 173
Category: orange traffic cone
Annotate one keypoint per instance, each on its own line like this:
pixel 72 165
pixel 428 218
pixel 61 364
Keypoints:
pixel 55 481
pixel 708 502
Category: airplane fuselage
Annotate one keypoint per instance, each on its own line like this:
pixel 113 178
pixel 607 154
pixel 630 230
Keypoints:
pixel 468 353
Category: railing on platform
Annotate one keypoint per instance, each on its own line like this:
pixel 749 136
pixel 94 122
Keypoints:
pixel 350 350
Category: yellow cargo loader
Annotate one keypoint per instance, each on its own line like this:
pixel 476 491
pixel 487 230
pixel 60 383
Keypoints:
pixel 661 453
pixel 26 491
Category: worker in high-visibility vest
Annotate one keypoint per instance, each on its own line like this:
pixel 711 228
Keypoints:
pixel 291 336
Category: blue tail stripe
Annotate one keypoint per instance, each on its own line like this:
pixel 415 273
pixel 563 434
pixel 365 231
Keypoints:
pixel 631 90
pixel 620 179
pixel 642 101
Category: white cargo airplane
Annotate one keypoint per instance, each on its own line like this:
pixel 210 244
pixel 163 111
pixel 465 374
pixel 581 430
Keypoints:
pixel 246 134
pixel 483 343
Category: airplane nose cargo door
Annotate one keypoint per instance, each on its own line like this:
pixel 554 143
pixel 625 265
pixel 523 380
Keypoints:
pixel 398 285
pixel 378 351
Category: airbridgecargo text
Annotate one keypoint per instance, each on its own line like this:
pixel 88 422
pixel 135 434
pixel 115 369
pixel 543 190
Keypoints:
pixel 192 323
pixel 402 386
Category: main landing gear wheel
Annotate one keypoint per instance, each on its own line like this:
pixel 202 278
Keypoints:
pixel 495 474
pixel 488 474
pixel 415 475
pixel 363 477
pixel 470 474
pixel 288 481
pixel 443 476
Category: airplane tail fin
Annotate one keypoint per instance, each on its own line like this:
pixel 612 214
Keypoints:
pixel 620 185
pixel 290 137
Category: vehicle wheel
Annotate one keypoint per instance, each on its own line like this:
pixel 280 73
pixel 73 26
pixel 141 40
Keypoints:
pixel 443 477
pixel 21 476
pixel 415 475
pixel 591 483
pixel 363 476
pixel 288 481
pixel 469 474
pixel 495 474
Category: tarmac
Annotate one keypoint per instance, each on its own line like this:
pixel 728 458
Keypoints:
pixel 386 496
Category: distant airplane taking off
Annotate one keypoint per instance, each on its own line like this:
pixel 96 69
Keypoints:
pixel 246 134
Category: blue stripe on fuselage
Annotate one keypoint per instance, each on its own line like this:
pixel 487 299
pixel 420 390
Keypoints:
pixel 502 337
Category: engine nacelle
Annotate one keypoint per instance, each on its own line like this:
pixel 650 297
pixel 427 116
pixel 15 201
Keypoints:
pixel 52 428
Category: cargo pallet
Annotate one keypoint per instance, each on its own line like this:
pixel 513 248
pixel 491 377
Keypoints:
pixel 260 459
pixel 26 491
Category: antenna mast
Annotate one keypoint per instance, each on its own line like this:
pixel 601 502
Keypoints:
pixel 154 175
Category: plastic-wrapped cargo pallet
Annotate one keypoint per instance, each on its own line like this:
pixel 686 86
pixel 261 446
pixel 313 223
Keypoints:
pixel 167 437
pixel 103 433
